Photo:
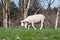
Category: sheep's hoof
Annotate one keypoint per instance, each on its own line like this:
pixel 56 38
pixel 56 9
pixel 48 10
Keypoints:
pixel 35 28
pixel 28 28
pixel 40 28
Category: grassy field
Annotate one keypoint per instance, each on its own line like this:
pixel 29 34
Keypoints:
pixel 31 34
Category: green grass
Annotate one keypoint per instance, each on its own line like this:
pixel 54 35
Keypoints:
pixel 31 34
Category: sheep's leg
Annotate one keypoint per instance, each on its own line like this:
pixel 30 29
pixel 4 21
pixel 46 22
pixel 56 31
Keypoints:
pixel 28 26
pixel 41 24
pixel 33 25
pixel 25 25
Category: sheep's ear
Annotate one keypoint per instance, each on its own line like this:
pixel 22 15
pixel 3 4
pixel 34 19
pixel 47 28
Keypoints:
pixel 26 22
pixel 22 22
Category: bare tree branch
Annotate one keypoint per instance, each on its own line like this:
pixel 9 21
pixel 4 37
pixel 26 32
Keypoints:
pixel 52 2
pixel 39 9
pixel 47 0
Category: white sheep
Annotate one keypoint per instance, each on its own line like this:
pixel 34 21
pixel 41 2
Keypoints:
pixel 33 19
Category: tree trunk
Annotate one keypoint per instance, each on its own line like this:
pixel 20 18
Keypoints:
pixel 9 21
pixel 33 5
pixel 57 19
pixel 26 9
pixel 4 18
pixel 4 13
pixel 21 8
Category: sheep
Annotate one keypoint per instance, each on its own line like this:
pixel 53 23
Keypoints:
pixel 33 19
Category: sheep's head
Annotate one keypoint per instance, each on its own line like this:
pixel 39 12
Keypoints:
pixel 22 23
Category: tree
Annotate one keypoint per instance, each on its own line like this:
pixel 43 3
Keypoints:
pixel 1 15
pixel 25 5
pixel 21 8
pixel 33 4
pixel 49 2
pixel 4 13
pixel 0 7
pixel 26 8
pixel 8 9
pixel 57 19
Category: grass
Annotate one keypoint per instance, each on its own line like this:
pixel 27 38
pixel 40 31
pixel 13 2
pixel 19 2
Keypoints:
pixel 31 34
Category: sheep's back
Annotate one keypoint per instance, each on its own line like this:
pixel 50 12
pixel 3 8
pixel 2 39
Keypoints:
pixel 35 18
pixel 39 18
